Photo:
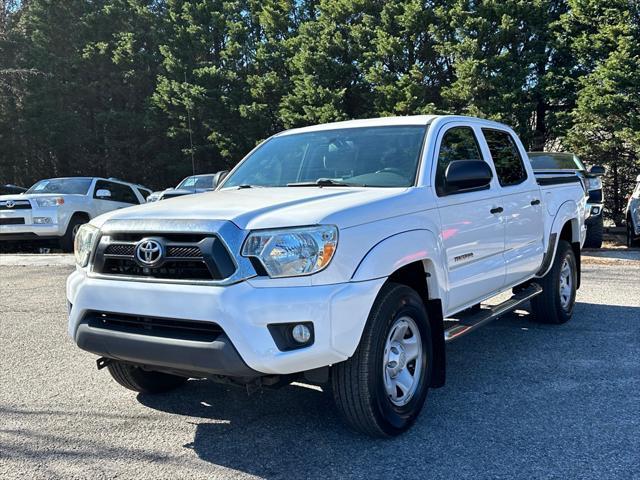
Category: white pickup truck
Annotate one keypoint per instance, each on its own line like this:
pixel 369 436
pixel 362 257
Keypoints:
pixel 344 254
pixel 53 209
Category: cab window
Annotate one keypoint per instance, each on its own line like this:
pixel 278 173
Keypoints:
pixel 458 143
pixel 506 157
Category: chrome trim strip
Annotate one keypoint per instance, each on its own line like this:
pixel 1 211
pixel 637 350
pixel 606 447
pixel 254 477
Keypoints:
pixel 229 234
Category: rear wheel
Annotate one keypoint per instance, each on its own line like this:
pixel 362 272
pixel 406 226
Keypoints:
pixel 555 303
pixel 381 389
pixel 144 381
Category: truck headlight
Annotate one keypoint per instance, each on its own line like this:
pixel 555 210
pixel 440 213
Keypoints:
pixel 50 201
pixel 292 252
pixel 594 183
pixel 84 242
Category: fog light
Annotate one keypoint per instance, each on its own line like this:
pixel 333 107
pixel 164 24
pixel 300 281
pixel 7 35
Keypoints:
pixel 41 220
pixel 301 333
pixel 595 210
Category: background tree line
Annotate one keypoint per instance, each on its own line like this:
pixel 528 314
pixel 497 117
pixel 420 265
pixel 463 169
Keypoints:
pixel 115 87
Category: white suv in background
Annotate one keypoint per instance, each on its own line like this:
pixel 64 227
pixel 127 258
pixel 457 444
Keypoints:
pixel 54 209
pixel 633 216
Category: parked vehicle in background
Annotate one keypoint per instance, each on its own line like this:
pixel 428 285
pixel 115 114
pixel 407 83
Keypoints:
pixel 9 189
pixel 556 163
pixel 190 185
pixel 144 191
pixel 344 254
pixel 632 215
pixel 53 209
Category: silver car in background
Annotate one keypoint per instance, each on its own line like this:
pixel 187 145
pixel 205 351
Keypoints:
pixel 632 215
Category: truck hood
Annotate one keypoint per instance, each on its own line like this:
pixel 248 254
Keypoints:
pixel 254 208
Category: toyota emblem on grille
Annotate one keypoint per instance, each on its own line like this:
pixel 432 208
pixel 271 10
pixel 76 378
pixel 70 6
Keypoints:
pixel 149 252
pixel 9 204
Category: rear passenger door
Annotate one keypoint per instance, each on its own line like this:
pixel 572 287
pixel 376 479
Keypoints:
pixel 472 230
pixel 523 213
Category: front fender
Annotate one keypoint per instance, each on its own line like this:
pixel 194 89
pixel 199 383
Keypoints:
pixel 396 251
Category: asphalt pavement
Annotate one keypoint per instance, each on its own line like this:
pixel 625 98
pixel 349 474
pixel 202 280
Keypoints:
pixel 522 400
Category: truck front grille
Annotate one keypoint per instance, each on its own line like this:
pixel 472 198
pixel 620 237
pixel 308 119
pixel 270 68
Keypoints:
pixel 178 270
pixel 15 205
pixel 154 326
pixel 185 257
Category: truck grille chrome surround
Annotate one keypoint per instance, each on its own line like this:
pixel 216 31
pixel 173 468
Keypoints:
pixel 199 252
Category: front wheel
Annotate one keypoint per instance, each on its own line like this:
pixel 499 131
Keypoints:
pixel 555 303
pixel 631 240
pixel 67 240
pixel 144 381
pixel 595 233
pixel 381 389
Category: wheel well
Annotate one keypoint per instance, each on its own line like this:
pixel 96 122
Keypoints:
pixel 83 215
pixel 414 275
pixel 567 234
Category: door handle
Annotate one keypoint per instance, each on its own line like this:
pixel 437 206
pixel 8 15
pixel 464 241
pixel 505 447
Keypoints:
pixel 535 202
pixel 497 210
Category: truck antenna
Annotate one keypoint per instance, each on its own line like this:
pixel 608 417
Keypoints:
pixel 193 162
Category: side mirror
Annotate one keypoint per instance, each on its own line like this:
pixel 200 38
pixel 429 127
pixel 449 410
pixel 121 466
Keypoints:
pixel 103 193
pixel 597 170
pixel 218 177
pixel 467 175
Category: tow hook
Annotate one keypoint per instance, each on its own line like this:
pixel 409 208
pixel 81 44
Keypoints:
pixel 103 362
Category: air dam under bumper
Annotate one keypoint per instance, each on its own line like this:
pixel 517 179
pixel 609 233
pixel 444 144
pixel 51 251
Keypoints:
pixel 243 311
pixel 216 357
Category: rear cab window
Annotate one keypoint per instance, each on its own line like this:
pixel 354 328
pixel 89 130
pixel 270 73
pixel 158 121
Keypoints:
pixel 506 157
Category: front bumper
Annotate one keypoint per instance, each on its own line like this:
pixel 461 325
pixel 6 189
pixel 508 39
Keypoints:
pixel 243 311
pixel 28 230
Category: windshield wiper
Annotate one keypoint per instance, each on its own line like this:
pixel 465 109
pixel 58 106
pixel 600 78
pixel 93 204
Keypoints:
pixel 325 182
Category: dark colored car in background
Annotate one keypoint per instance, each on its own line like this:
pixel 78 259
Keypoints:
pixel 190 185
pixel 9 189
pixel 559 162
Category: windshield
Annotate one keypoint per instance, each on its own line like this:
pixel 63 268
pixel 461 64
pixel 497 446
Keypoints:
pixel 69 186
pixel 205 181
pixel 366 156
pixel 555 161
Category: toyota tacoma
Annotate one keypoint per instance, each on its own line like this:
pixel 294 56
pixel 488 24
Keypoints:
pixel 345 254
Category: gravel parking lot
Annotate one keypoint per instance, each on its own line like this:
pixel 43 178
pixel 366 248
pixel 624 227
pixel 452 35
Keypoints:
pixel 522 401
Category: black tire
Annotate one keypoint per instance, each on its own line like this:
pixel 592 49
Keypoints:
pixel 548 307
pixel 144 381
pixel 632 241
pixel 66 242
pixel 358 383
pixel 595 233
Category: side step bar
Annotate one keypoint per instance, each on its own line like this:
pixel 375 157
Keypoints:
pixel 469 322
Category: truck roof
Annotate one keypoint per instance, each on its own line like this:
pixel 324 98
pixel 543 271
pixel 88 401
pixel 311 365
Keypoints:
pixel 385 122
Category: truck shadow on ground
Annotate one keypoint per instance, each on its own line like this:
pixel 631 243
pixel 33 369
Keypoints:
pixel 522 399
